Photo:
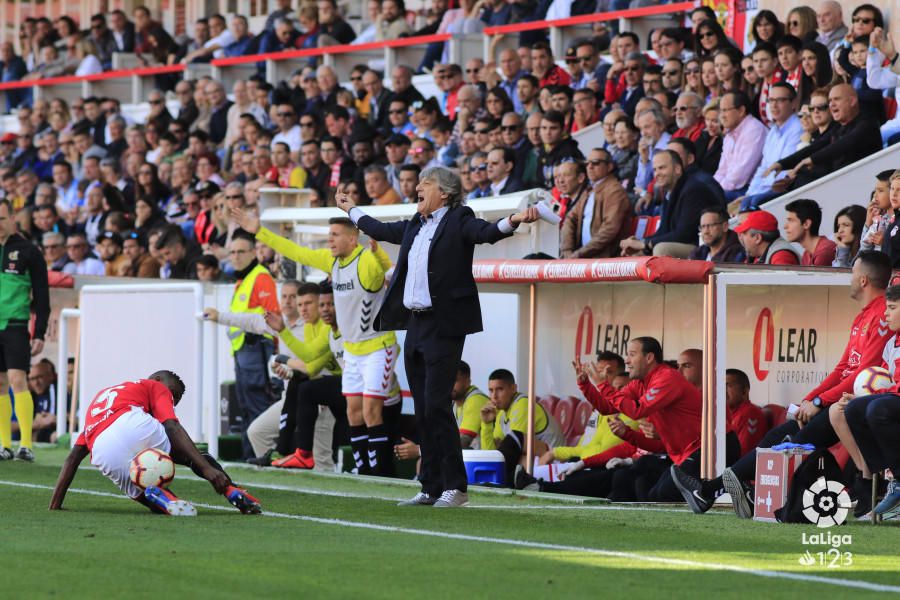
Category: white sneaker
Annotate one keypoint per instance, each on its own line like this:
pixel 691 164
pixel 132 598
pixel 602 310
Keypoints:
pixel 420 499
pixel 452 498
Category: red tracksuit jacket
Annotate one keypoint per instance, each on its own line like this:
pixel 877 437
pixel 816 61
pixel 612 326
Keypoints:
pixel 665 398
pixel 867 338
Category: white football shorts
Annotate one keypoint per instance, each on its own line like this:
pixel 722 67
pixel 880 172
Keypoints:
pixel 129 435
pixel 370 374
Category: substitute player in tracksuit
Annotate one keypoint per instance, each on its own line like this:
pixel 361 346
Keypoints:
pixel 868 334
pixel 370 356
pixel 23 286
pixel 666 399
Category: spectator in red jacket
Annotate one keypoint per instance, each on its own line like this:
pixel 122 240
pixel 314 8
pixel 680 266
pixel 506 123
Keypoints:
pixel 801 226
pixel 747 419
pixel 543 67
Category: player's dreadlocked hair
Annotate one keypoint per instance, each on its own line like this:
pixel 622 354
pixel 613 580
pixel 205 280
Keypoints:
pixel 172 381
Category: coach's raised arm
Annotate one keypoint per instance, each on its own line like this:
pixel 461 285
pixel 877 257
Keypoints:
pixel 433 295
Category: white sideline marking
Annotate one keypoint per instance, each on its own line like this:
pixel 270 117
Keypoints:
pixel 849 583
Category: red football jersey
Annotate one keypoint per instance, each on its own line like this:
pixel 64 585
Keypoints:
pixel 108 405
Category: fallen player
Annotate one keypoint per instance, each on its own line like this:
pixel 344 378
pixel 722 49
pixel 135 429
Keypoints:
pixel 126 419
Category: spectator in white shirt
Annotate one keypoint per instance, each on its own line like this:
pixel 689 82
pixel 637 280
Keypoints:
pixel 220 37
pixel 66 187
pixel 86 52
pixel 288 130
pixel 82 262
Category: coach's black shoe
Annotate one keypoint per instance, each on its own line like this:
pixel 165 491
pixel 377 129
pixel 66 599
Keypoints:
pixel 741 495
pixel 6 454
pixel 262 461
pixel 25 454
pixel 692 490
pixel 861 491
pixel 523 481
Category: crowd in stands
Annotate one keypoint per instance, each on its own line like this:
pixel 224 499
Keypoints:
pixel 695 131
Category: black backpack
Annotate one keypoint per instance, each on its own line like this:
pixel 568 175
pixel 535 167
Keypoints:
pixel 819 464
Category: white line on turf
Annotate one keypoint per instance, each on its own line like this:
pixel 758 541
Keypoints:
pixel 677 562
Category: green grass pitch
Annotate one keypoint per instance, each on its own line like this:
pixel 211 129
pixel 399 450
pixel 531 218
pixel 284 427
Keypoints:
pixel 343 537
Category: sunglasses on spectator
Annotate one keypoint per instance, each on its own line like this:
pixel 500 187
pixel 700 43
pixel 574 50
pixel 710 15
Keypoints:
pixel 571 61
pixel 794 23
pixel 234 197
pixel 671 73
pixel 483 131
pixel 587 58
pixel 632 69
pixel 397 111
pixel 818 107
pixel 480 167
pixel 706 34
pixel 357 78
pixel 863 20
pixel 692 70
pixel 156 101
pixel 596 162
pixel 307 124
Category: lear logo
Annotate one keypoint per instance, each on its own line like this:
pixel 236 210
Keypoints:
pixel 584 334
pixel 611 337
pixel 762 354
pixel 826 503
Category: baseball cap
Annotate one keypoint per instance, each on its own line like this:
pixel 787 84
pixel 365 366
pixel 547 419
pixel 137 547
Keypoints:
pixel 398 139
pixel 8 137
pixel 760 220
pixel 571 54
pixel 207 188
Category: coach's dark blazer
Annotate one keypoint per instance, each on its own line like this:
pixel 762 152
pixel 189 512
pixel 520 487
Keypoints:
pixel 454 295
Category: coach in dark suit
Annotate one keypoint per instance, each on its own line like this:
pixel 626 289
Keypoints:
pixel 434 297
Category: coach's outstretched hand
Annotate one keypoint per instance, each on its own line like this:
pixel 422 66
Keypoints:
pixel 529 215
pixel 342 199
pixel 247 220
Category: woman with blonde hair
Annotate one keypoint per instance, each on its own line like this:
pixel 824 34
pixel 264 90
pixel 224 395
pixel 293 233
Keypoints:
pixel 86 52
pixel 801 22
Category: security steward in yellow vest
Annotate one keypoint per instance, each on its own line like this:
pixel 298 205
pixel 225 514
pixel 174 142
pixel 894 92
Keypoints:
pixel 254 292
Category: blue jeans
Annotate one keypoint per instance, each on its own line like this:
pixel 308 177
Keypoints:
pixel 732 195
pixel 252 384
pixel 756 200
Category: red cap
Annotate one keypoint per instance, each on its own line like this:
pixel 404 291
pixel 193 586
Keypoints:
pixel 9 137
pixel 759 220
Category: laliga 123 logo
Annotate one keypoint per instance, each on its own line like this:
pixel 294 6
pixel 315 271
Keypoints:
pixel 826 504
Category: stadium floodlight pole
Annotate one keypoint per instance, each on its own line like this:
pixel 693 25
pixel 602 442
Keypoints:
pixel 532 396
pixel 62 372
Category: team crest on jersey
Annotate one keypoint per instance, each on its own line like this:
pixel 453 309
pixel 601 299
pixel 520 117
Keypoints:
pixel 14 255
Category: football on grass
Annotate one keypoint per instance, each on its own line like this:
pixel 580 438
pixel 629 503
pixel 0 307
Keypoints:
pixel 152 467
pixel 872 380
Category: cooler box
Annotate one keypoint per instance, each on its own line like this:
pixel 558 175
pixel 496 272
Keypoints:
pixel 485 466
pixel 774 473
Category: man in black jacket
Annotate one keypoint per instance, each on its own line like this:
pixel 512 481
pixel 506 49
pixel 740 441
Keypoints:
pixel 556 148
pixel 857 137
pixel 436 301
pixel 687 194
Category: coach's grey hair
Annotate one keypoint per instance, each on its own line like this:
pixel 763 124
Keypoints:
pixel 447 181
pixel 51 236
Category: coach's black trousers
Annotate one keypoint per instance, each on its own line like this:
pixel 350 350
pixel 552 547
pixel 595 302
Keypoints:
pixel 817 431
pixel 875 423
pixel 432 361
